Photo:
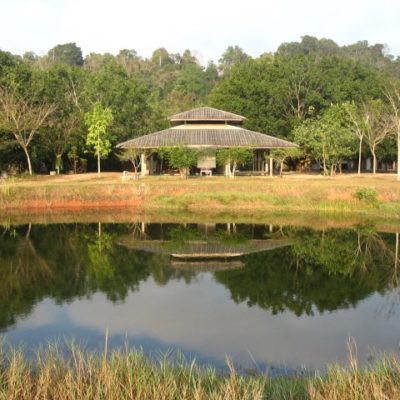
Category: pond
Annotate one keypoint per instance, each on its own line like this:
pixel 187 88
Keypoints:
pixel 272 297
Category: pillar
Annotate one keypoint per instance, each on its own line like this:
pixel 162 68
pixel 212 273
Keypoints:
pixel 228 168
pixel 271 166
pixel 143 165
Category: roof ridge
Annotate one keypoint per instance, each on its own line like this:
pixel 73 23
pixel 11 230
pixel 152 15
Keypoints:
pixel 206 113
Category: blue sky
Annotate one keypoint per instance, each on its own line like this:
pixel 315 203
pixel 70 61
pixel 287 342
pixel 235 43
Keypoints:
pixel 207 27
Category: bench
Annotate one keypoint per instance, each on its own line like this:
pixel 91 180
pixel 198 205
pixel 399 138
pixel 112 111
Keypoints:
pixel 205 172
pixel 127 176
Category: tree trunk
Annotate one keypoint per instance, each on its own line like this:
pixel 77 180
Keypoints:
pixel 58 163
pixel 359 157
pixel 75 163
pixel 373 160
pixel 324 165
pixel 233 169
pixel 28 160
pixel 98 164
pixel 398 155
pixel 396 254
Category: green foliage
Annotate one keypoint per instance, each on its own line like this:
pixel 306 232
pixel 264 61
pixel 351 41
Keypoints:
pixel 276 92
pixel 132 155
pixel 97 122
pixel 306 276
pixel 281 155
pixel 233 55
pixel 327 139
pixel 234 156
pixel 100 265
pixel 367 194
pixel 68 53
pixel 180 157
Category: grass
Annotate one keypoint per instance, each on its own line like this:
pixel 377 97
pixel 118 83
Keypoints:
pixel 298 193
pixel 128 374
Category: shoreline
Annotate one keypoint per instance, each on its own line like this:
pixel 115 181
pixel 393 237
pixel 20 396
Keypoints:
pixel 241 196
pixel 315 220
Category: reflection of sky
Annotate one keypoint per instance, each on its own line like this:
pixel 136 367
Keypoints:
pixel 202 319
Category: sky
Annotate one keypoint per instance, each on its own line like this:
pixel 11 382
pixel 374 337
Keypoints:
pixel 205 27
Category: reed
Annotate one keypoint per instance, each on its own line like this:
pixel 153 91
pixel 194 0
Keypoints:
pixel 128 374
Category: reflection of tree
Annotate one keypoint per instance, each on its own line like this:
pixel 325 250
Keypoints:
pixel 323 270
pixel 59 261
pixel 22 269
pixel 64 262
pixel 100 266
pixel 340 251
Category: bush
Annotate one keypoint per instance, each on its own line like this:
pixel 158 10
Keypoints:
pixel 367 194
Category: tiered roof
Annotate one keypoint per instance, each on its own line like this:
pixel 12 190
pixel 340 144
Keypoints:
pixel 196 138
pixel 204 127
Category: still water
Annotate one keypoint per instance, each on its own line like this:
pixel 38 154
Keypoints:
pixel 270 297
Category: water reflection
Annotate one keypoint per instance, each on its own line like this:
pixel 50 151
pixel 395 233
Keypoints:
pixel 205 271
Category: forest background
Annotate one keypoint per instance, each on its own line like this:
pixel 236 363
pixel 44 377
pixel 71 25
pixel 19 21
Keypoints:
pixel 314 92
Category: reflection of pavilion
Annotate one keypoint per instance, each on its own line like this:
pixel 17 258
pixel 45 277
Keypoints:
pixel 210 252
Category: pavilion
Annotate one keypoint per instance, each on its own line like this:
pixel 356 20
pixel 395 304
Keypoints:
pixel 206 128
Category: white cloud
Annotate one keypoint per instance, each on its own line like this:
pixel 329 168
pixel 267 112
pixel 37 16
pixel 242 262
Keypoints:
pixel 203 318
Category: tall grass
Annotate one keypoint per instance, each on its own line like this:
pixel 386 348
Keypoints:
pixel 128 374
pixel 121 375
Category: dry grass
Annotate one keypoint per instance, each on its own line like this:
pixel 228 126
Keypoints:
pixel 129 374
pixel 197 195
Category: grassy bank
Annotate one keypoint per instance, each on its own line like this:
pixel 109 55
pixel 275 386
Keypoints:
pixel 367 195
pixel 130 375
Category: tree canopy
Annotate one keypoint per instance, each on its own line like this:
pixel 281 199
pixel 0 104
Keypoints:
pixel 277 92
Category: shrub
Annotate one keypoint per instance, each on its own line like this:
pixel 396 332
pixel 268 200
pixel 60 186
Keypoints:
pixel 367 194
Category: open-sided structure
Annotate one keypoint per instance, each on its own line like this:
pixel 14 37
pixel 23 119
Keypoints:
pixel 205 128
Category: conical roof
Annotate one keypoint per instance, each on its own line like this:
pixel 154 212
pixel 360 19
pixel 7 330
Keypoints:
pixel 206 114
pixel 199 137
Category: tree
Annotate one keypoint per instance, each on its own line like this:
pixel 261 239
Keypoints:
pixel 132 155
pixel 180 157
pixel 234 156
pixel 393 96
pixel 68 53
pixel 188 58
pixel 326 139
pixel 378 126
pixel 233 55
pixel 23 117
pixel 127 96
pixel 97 122
pixel 277 93
pixel 161 57
pixel 191 81
pixel 281 155
pixel 357 126
pixel 62 85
